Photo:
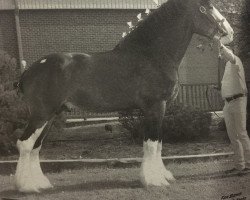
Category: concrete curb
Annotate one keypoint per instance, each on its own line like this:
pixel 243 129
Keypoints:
pixel 8 167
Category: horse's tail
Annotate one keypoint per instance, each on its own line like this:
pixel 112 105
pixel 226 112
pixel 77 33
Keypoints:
pixel 18 84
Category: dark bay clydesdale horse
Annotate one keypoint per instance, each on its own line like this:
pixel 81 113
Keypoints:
pixel 140 72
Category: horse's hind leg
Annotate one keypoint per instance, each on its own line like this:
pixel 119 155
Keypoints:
pixel 25 179
pixel 40 180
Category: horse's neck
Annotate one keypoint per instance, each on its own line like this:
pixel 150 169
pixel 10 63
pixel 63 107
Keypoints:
pixel 174 41
pixel 157 42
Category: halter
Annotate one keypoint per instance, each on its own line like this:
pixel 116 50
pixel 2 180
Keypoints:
pixel 219 28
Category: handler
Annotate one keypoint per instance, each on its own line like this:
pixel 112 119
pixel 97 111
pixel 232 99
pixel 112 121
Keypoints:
pixel 234 92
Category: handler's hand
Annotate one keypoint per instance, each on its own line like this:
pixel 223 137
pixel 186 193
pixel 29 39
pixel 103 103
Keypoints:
pixel 217 42
pixel 216 88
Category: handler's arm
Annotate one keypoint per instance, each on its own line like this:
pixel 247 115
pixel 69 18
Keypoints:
pixel 228 54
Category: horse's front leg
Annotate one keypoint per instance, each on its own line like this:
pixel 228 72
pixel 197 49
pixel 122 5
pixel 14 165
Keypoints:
pixel 153 171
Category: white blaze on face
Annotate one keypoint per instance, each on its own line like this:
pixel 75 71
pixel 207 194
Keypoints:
pixel 225 25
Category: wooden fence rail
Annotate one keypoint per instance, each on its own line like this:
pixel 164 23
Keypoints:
pixel 201 96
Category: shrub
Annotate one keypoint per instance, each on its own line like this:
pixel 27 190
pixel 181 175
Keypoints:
pixel 222 125
pixel 133 122
pixel 13 111
pixel 59 124
pixel 13 116
pixel 181 123
pixel 185 123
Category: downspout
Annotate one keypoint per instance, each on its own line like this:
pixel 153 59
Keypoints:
pixel 19 39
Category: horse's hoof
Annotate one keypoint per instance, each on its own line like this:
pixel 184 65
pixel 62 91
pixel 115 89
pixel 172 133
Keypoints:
pixel 44 187
pixel 169 176
pixel 35 187
pixel 43 183
pixel 153 179
pixel 30 189
pixel 158 183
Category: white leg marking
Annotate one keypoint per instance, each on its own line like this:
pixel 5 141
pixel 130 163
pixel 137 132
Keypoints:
pixel 166 173
pixel 152 166
pixel 23 179
pixel 38 177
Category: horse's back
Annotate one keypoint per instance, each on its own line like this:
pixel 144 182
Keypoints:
pixel 48 81
pixel 52 66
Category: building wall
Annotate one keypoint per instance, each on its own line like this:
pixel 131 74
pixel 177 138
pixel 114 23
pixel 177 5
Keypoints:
pixel 47 31
pixel 8 39
pixel 91 30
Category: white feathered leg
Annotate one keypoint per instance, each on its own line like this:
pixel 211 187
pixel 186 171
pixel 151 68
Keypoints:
pixel 39 179
pixel 151 169
pixel 23 178
pixel 166 173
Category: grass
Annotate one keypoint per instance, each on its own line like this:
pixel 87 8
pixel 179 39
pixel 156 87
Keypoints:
pixel 194 181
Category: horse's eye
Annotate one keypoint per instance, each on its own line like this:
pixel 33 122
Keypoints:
pixel 203 10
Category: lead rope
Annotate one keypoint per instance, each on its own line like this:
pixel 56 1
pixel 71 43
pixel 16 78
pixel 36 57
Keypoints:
pixel 219 82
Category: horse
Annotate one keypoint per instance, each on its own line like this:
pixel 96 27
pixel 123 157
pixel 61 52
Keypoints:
pixel 140 72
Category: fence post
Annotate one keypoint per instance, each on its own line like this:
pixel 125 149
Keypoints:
pixel 19 39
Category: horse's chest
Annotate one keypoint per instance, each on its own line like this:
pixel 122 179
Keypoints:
pixel 160 84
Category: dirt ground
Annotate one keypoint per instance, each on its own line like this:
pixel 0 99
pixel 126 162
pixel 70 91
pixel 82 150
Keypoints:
pixel 194 181
pixel 200 180
pixel 92 141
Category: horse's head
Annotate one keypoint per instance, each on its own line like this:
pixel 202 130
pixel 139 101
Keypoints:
pixel 207 20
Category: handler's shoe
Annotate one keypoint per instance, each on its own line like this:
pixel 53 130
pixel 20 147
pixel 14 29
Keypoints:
pixel 246 169
pixel 233 171
pixel 237 171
